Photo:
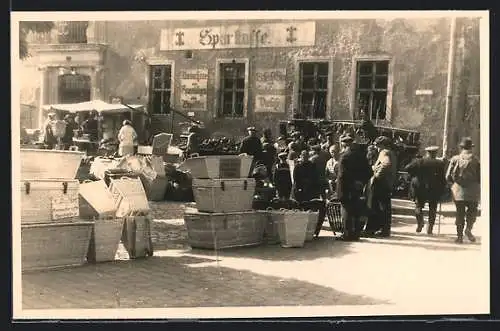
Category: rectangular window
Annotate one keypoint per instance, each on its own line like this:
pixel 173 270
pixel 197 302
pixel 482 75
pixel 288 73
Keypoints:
pixel 371 88
pixel 232 83
pixel 160 89
pixel 313 89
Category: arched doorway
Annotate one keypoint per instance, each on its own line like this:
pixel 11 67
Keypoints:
pixel 74 88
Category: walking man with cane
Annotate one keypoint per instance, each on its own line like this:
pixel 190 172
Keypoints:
pixel 427 186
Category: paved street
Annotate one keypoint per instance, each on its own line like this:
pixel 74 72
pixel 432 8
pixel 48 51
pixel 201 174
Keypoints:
pixel 409 269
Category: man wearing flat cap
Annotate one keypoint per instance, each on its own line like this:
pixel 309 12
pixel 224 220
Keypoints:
pixel 380 188
pixel 353 174
pixel 427 185
pixel 251 145
pixel 282 177
pixel 464 173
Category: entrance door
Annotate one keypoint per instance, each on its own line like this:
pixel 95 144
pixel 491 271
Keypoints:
pixel 74 88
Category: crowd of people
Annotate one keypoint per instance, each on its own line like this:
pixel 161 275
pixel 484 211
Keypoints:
pixel 362 179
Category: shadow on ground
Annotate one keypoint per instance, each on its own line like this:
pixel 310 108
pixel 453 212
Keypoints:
pixel 321 247
pixel 160 282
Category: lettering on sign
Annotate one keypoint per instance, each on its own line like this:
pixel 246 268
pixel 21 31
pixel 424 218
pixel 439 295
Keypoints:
pixel 240 36
pixel 65 207
pixel 270 85
pixel 194 85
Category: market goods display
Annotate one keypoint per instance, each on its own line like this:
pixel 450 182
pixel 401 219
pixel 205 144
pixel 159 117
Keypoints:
pixel 219 146
pixel 224 230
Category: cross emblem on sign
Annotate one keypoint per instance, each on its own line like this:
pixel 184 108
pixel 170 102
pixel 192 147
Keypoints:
pixel 291 34
pixel 180 38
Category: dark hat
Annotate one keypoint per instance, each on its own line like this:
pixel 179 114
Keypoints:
pixel 466 143
pixel 251 128
pixel 127 122
pixel 383 141
pixel 282 155
pixel 346 138
pixel 432 149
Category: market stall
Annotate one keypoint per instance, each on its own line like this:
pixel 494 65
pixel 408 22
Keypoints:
pixel 109 116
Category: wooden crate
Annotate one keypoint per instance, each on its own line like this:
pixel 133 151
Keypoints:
pixel 51 245
pixel 218 166
pixel 224 230
pixel 45 164
pixel 96 201
pixel 129 196
pixel 45 200
pixel 223 195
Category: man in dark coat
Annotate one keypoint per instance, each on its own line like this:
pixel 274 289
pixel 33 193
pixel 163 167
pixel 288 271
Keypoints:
pixel 464 173
pixel 380 189
pixel 69 133
pixel 427 185
pixel 251 145
pixel 320 159
pixel 282 177
pixel 353 174
pixel 305 179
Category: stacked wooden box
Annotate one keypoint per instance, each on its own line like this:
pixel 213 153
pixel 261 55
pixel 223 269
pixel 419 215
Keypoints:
pixel 223 217
pixel 52 233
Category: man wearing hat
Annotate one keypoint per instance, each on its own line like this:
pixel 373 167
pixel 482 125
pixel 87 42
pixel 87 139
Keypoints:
pixel 282 178
pixel 305 179
pixel 381 185
pixel 353 174
pixel 320 158
pixel 251 145
pixel 464 173
pixel 193 141
pixel 427 185
pixel 49 138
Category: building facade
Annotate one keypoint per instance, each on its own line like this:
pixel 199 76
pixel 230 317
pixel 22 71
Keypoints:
pixel 231 74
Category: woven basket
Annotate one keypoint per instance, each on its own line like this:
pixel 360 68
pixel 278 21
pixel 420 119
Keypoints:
pixel 223 195
pixel 334 215
pixel 45 164
pixel 45 200
pixel 129 196
pixel 105 239
pixel 52 245
pixel 224 230
pixel 311 225
pixel 136 236
pixel 292 227
pixel 218 166
pixel 96 201
pixel 271 234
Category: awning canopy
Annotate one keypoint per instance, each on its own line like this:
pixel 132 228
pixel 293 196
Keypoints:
pixel 97 105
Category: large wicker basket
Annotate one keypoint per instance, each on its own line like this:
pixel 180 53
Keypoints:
pixel 224 230
pixel 271 233
pixel 218 166
pixel 105 239
pixel 52 245
pixel 45 200
pixel 311 225
pixel 136 236
pixel 334 215
pixel 292 227
pixel 44 164
pixel 129 196
pixel 223 195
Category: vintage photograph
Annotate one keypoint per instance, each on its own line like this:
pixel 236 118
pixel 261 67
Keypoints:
pixel 250 164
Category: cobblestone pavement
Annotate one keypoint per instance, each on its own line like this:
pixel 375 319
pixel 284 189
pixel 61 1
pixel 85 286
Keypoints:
pixel 404 269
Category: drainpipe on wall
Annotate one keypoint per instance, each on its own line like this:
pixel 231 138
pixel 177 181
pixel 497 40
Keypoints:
pixel 449 87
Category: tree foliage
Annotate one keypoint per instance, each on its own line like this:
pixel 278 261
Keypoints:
pixel 26 27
